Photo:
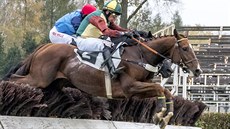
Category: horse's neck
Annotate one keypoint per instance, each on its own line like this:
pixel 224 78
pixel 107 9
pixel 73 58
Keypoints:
pixel 117 40
pixel 175 55
pixel 164 46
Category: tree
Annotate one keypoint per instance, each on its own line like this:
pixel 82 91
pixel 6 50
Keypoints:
pixel 136 5
pixel 53 10
pixel 142 21
pixel 124 19
pixel 2 54
pixel 19 16
pixel 100 3
pixel 157 23
pixel 12 58
pixel 29 43
pixel 1 45
pixel 177 20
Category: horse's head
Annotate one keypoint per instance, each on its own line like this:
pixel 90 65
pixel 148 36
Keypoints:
pixel 186 56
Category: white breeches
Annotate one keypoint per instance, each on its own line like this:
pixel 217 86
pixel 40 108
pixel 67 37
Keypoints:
pixel 60 38
pixel 92 44
pixel 84 44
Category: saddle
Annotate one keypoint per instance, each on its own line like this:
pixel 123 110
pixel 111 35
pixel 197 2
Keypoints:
pixel 95 59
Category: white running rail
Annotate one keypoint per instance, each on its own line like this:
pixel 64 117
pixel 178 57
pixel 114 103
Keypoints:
pixel 166 31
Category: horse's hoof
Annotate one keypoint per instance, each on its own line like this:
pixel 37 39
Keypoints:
pixel 168 117
pixel 163 110
pixel 156 119
pixel 159 116
pixel 166 120
pixel 163 124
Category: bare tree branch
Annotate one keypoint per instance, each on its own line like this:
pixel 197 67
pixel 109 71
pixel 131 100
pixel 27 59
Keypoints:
pixel 100 3
pixel 137 9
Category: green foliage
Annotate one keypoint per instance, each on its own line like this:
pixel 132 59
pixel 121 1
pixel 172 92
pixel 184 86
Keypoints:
pixel 1 45
pixel 177 20
pixel 53 10
pixel 2 54
pixel 26 23
pixel 142 21
pixel 29 43
pixel 45 39
pixel 143 18
pixel 157 23
pixel 214 121
pixel 13 57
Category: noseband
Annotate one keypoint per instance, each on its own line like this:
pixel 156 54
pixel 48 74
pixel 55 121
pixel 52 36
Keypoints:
pixel 184 64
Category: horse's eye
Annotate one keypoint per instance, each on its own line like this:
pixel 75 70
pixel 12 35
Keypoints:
pixel 185 48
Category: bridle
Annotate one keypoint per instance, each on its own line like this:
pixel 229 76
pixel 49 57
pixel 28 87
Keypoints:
pixel 181 63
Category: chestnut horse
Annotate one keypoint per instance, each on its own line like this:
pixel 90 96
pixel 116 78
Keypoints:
pixel 53 61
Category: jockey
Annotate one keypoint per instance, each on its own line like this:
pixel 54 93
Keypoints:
pixel 67 25
pixel 98 23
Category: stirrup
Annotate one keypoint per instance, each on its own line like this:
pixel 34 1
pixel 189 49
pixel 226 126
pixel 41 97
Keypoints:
pixel 113 76
pixel 118 70
pixel 73 43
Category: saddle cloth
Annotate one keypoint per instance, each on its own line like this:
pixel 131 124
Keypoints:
pixel 95 59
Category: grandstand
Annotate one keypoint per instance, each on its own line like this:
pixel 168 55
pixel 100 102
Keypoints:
pixel 212 47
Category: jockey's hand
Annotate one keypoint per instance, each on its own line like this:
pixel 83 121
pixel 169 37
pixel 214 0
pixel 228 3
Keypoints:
pixel 128 34
pixel 136 34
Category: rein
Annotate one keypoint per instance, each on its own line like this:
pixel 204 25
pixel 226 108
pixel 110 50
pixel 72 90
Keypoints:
pixel 157 53
pixel 149 48
pixel 190 61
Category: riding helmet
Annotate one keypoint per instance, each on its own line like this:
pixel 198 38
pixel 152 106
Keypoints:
pixel 113 6
pixel 87 9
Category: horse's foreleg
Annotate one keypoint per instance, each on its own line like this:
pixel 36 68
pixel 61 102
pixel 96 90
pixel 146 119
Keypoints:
pixel 161 109
pixel 170 109
pixel 144 90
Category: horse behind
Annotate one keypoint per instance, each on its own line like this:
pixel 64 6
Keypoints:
pixel 54 61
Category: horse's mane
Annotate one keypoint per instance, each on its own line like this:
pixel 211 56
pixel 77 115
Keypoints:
pixel 165 36
pixel 22 68
pixel 158 38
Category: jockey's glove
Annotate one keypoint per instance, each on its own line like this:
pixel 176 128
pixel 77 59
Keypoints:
pixel 136 34
pixel 128 34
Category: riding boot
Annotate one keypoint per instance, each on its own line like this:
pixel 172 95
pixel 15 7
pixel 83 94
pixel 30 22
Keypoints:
pixel 112 70
pixel 73 43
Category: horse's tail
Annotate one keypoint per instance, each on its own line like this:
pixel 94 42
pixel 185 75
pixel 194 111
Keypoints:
pixel 23 67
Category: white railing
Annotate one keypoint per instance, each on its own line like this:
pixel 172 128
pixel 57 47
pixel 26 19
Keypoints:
pixel 214 93
pixel 166 31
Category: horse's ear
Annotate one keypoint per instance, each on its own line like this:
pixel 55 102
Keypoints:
pixel 186 34
pixel 150 34
pixel 176 33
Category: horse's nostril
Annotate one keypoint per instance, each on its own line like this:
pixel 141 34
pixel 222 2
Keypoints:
pixel 198 72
